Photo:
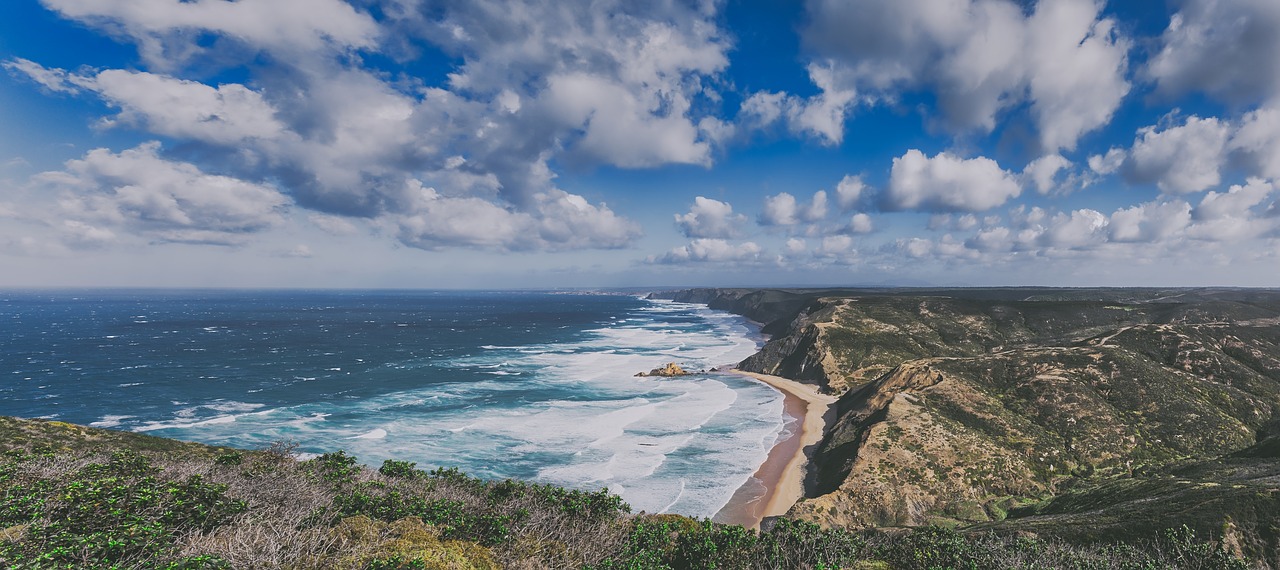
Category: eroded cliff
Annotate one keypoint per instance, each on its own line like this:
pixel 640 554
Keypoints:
pixel 1036 409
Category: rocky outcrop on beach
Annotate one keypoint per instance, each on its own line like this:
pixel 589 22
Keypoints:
pixel 671 369
pixel 1059 411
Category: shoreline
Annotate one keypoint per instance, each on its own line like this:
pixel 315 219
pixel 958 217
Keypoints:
pixel 779 482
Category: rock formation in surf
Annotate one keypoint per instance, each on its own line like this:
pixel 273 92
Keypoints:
pixel 671 369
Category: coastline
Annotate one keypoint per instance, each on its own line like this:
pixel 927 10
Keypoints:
pixel 779 482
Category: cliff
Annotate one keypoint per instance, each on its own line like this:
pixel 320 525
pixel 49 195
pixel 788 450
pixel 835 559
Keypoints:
pixel 1058 411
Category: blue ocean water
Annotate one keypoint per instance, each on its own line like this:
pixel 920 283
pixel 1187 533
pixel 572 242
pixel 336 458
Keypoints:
pixel 535 386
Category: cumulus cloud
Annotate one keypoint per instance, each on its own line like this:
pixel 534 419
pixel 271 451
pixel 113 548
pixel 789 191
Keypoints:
pixel 1150 222
pixel 1043 172
pixel 836 246
pixel 227 114
pixel 1257 141
pixel 619 128
pixel 137 189
pixel 710 250
pixel 979 57
pixel 860 223
pixel 784 210
pixel 163 28
pixel 1235 202
pixel 1109 162
pixel 948 183
pixel 1231 216
pixel 1223 48
pixel 538 83
pixel 821 116
pixel 796 246
pixel 559 221
pixel 849 191
pixel 1179 159
pixel 1079 229
pixel 709 218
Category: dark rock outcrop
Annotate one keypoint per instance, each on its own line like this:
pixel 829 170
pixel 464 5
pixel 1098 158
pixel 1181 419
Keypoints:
pixel 671 369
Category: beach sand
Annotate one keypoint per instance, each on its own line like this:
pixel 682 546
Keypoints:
pixel 779 482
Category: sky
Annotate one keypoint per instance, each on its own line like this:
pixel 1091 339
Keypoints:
pixel 564 143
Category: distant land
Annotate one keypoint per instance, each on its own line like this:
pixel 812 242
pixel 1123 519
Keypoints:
pixel 1088 414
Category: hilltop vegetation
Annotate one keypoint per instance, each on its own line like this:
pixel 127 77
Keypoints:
pixel 1078 413
pixel 81 498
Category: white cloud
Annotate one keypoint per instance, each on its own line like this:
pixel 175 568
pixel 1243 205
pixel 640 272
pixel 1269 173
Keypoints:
pixel 1235 202
pixel 56 80
pixel 164 28
pixel 619 128
pixel 1150 222
pixel 849 191
pixel 81 235
pixel 1258 141
pixel 784 210
pixel 996 239
pixel 821 116
pixel 165 105
pixel 948 183
pixel 817 209
pixel 710 251
pixel 796 246
pixel 979 57
pixel 780 210
pixel 163 199
pixel 1107 163
pixel 860 224
pixel 1043 172
pixel 559 221
pixel 1076 69
pixel 838 245
pixel 334 224
pixel 1180 159
pixel 709 218
pixel 1225 48
pixel 1080 229
pixel 540 83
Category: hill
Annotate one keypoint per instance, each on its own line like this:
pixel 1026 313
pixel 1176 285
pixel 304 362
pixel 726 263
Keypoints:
pixel 1063 411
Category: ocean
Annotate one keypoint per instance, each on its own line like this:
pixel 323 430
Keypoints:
pixel 525 385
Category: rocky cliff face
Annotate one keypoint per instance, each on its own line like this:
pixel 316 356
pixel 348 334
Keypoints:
pixel 995 406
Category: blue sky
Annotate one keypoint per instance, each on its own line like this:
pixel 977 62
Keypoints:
pixel 489 144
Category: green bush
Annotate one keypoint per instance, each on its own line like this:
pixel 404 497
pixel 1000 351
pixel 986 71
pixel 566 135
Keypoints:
pixel 398 469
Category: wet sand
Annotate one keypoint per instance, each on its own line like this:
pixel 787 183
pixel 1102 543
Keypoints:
pixel 779 482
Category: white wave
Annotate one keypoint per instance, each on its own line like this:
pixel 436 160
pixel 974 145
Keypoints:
pixel 378 433
pixel 109 421
pixel 569 413
pixel 232 406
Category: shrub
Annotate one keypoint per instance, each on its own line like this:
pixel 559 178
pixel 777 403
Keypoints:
pixel 398 469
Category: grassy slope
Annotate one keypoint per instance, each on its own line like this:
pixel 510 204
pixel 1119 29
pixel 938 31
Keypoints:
pixel 76 498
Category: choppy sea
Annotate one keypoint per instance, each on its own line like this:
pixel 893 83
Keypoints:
pixel 534 386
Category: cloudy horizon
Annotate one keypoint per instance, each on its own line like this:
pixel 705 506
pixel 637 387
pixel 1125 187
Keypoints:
pixel 539 144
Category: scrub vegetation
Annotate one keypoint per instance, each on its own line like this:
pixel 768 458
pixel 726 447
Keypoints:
pixel 81 498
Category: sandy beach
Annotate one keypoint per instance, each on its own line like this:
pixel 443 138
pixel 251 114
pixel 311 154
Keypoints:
pixel 779 482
